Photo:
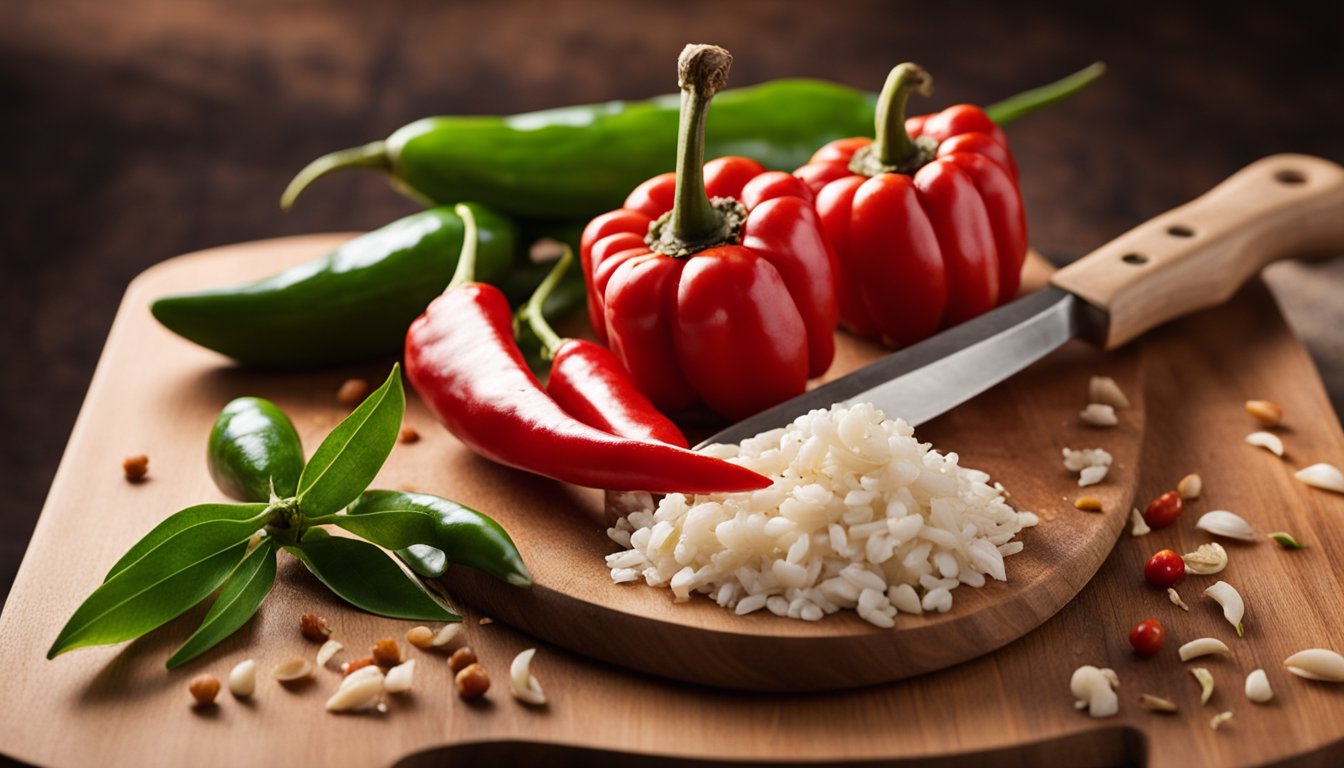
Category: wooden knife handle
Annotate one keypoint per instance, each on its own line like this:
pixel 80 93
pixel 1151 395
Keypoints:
pixel 1198 255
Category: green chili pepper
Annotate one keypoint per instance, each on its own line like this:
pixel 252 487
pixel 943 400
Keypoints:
pixel 576 162
pixel 254 453
pixel 354 303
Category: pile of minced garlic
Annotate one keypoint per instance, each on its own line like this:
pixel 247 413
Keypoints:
pixel 860 515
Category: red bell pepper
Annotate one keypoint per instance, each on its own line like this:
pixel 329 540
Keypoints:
pixel 727 302
pixel 926 220
pixel 462 359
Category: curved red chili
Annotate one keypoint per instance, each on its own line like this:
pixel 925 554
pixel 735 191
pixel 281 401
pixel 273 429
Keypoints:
pixel 588 380
pixel 462 359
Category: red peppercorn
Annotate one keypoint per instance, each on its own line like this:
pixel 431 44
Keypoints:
pixel 1164 568
pixel 1147 637
pixel 1164 510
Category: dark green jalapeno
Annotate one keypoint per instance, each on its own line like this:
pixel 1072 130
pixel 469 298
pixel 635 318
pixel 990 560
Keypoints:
pixel 254 451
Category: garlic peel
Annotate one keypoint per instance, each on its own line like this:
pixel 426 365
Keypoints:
pixel 523 683
pixel 293 668
pixel 1324 476
pixel 1217 721
pixel 1257 687
pixel 1176 600
pixel 1234 608
pixel 1220 522
pixel 1267 440
pixel 1205 678
pixel 1317 664
pixel 1202 647
pixel 1208 559
pixel 1157 703
pixel 327 651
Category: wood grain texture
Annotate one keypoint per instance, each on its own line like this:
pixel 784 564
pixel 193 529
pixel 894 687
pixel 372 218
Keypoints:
pixel 117 705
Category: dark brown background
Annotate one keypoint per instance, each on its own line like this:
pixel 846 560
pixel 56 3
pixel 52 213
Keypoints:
pixel 137 130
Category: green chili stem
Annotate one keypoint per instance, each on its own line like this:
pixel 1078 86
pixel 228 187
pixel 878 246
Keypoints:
pixel 533 310
pixel 466 260
pixel 893 145
pixel 701 71
pixel 1023 104
pixel 373 155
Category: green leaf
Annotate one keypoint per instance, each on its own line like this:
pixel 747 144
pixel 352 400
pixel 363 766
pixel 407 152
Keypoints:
pixel 429 532
pixel 240 598
pixel 367 578
pixel 349 458
pixel 169 579
pixel 181 521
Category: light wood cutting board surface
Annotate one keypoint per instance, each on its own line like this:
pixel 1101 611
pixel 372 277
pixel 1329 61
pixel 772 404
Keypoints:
pixel 118 705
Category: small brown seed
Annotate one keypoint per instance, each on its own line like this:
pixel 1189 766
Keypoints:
pixel 462 658
pixel 409 435
pixel 386 653
pixel 1088 504
pixel 204 689
pixel 135 467
pixel 351 666
pixel 314 627
pixel 352 392
pixel 486 621
pixel 420 637
pixel 472 682
pixel 1264 412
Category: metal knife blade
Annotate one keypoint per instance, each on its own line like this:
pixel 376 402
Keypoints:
pixel 929 378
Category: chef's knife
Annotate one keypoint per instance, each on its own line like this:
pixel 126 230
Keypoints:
pixel 1189 258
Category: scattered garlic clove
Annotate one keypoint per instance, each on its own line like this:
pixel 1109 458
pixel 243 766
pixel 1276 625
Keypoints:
pixel 1202 647
pixel 444 636
pixel 1317 664
pixel 243 679
pixel 1157 703
pixel 1094 690
pixel 1138 526
pixel 327 651
pixel 1286 540
pixel 1234 608
pixel 1104 390
pixel 1208 559
pixel 1220 522
pixel 1175 598
pixel 1205 678
pixel 1190 486
pixel 398 679
pixel 1324 476
pixel 524 684
pixel 1264 411
pixel 1099 415
pixel 360 690
pixel 1267 440
pixel 1217 721
pixel 1092 475
pixel 293 668
pixel 1257 687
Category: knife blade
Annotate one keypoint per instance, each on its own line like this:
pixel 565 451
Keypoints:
pixel 1192 257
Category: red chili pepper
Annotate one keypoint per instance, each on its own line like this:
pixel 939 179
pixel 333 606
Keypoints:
pixel 1164 510
pixel 1164 569
pixel 728 303
pixel 462 359
pixel 926 220
pixel 1147 637
pixel 588 381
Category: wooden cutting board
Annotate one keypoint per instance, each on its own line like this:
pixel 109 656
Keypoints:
pixel 118 705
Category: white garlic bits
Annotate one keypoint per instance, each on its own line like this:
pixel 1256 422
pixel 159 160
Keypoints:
pixel 1202 647
pixel 1176 600
pixel 327 651
pixel 523 683
pixel 1104 390
pixel 1267 440
pixel 1099 415
pixel 360 690
pixel 1234 608
pixel 1324 476
pixel 1137 525
pixel 1317 664
pixel 398 679
pixel 243 679
pixel 1220 522
pixel 1206 560
pixel 1205 678
pixel 1257 687
pixel 1094 690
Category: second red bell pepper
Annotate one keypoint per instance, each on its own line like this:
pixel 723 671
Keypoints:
pixel 926 219
pixel 713 285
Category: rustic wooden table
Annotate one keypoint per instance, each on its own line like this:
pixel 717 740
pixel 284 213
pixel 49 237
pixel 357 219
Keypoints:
pixel 142 129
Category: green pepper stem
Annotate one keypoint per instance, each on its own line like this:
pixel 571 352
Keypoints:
pixel 373 155
pixel 466 260
pixel 1023 104
pixel 533 310
pixel 695 222
pixel 893 146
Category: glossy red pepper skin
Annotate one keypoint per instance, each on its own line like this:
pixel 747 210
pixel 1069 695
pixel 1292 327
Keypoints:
pixel 735 327
pixel 589 382
pixel 462 359
pixel 921 252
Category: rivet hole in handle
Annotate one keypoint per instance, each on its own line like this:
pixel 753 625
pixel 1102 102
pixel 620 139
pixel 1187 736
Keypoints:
pixel 1199 254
